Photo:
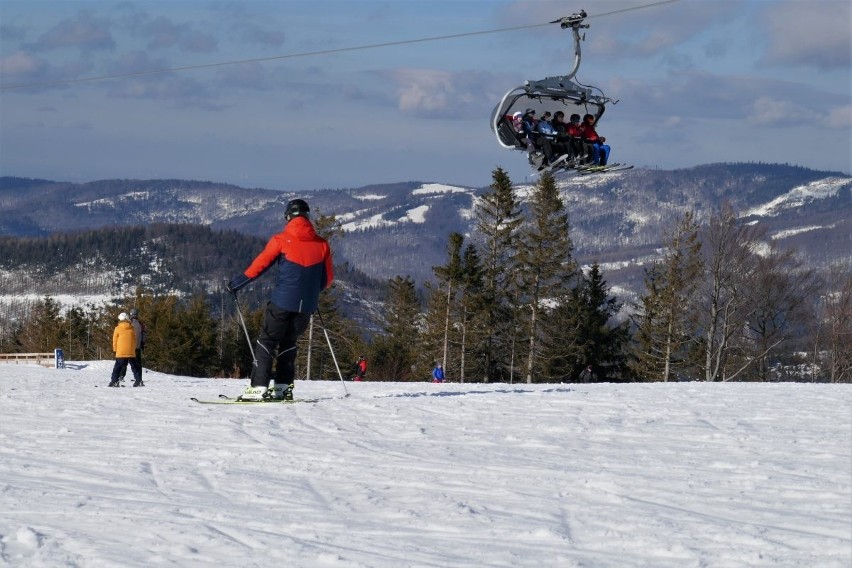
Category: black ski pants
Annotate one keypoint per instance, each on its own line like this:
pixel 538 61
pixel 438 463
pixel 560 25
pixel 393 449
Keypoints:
pixel 277 343
pixel 120 368
pixel 138 360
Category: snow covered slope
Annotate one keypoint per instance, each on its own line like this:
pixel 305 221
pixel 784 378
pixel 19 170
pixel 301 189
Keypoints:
pixel 422 475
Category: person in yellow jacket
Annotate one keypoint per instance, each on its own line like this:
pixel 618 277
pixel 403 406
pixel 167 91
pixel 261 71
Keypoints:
pixel 124 345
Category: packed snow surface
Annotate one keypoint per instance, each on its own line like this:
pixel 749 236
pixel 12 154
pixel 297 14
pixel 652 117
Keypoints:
pixel 422 475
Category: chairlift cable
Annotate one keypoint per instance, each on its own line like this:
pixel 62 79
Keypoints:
pixel 631 9
pixel 307 53
pixel 264 59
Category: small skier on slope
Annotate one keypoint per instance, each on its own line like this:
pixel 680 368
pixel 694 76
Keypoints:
pixel 438 374
pixel 124 345
pixel 359 369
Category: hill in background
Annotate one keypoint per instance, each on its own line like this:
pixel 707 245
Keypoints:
pixel 617 220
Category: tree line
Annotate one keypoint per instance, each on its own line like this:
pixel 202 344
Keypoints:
pixel 510 304
pixel 721 303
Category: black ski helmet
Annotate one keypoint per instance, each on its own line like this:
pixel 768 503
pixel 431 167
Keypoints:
pixel 134 313
pixel 295 208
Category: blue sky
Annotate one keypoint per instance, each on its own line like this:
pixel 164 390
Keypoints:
pixel 698 81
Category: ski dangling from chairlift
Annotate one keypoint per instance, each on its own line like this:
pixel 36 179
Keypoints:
pixel 558 144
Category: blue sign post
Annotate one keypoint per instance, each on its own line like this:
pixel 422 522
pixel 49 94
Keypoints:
pixel 60 358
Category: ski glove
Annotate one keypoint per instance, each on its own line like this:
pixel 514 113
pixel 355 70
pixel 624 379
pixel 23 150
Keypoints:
pixel 237 283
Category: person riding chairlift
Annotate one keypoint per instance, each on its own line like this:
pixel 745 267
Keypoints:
pixel 600 151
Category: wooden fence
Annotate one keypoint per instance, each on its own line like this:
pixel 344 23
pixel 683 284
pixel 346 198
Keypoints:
pixel 43 359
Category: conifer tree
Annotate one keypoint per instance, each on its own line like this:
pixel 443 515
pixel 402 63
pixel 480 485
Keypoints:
pixel 75 326
pixel 194 339
pixel 498 220
pixel 472 317
pixel 664 328
pixel 580 331
pixel 545 260
pixel 394 352
pixel 603 341
pixel 163 345
pixel 41 330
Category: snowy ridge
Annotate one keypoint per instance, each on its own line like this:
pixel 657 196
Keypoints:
pixel 432 188
pixel 401 228
pixel 415 215
pixel 186 206
pixel 370 197
pixel 416 206
pixel 371 222
pixel 798 196
pixel 793 232
pixel 417 474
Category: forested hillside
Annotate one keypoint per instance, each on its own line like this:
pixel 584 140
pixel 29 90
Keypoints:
pixel 172 258
pixel 719 273
pixel 399 229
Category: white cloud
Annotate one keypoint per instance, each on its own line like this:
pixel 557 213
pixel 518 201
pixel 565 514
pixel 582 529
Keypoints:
pixel 838 117
pixel 21 65
pixel 442 94
pixel 164 33
pixel 85 32
pixel 767 111
pixel 813 34
pixel 424 91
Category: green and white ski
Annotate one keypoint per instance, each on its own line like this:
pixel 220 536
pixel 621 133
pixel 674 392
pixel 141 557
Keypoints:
pixel 223 399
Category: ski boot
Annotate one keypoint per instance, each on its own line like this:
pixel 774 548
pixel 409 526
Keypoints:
pixel 281 392
pixel 253 394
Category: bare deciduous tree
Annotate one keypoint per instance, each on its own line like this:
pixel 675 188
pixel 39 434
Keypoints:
pixel 779 295
pixel 724 302
pixel 837 321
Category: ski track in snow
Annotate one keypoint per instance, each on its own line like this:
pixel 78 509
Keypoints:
pixel 422 475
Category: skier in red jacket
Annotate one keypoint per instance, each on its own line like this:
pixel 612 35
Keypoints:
pixel 600 151
pixel 304 269
pixel 359 369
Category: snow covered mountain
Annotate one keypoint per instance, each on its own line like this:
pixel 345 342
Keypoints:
pixel 617 219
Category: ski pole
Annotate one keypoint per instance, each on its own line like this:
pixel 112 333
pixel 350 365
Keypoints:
pixel 333 358
pixel 245 329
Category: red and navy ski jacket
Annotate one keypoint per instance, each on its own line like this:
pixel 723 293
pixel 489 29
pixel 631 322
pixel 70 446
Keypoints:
pixel 304 266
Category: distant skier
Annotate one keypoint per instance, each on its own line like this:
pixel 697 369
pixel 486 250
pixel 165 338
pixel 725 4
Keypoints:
pixel 587 375
pixel 139 330
pixel 124 345
pixel 359 369
pixel 438 374
pixel 304 269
